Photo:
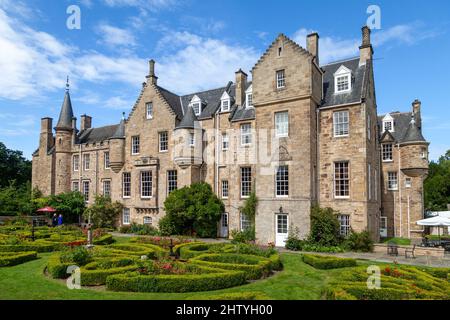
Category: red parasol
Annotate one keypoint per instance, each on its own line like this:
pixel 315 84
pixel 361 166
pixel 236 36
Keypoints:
pixel 47 210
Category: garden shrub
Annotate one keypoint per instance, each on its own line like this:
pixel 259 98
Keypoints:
pixel 78 256
pixel 398 241
pixel 98 277
pixel 359 242
pixel 214 280
pixel 253 266
pixel 327 262
pixel 104 240
pixel 38 246
pixel 398 283
pixel 245 236
pixel 325 227
pixel 8 259
pixel 56 268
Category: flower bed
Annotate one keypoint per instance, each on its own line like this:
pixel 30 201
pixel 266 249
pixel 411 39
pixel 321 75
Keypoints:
pixel 8 259
pixel 161 241
pixel 326 262
pixel 397 283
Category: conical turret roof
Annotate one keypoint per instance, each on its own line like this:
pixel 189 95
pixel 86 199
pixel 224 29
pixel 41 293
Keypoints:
pixel 66 114
pixel 189 120
pixel 413 133
pixel 120 132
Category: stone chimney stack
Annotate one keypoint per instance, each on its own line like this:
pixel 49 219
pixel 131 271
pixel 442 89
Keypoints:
pixel 312 45
pixel 151 74
pixel 416 106
pixel 366 49
pixel 241 83
pixel 86 122
pixel 46 137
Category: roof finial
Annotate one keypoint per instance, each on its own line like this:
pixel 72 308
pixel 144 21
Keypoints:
pixel 413 119
pixel 123 116
pixel 67 84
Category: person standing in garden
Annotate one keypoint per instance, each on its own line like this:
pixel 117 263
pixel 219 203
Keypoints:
pixel 54 220
pixel 60 220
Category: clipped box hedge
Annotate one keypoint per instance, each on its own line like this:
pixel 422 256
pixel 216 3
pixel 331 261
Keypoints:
pixel 104 240
pixel 8 259
pixel 215 280
pixel 192 249
pixel 254 267
pixel 148 250
pixel 56 268
pixel 38 246
pixel 98 277
pixel 327 262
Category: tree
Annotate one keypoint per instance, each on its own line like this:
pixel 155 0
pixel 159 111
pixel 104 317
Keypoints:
pixel 17 199
pixel 71 205
pixel 13 166
pixel 192 210
pixel 325 227
pixel 437 184
pixel 103 212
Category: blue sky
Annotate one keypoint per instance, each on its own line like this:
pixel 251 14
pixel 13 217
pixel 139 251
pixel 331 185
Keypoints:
pixel 198 44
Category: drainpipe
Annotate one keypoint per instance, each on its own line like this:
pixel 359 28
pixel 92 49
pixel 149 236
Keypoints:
pixel 399 188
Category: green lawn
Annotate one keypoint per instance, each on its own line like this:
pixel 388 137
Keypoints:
pixel 297 281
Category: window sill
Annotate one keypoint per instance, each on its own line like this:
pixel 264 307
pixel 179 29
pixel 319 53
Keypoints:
pixel 146 198
pixel 126 197
pixel 342 198
pixel 282 197
pixel 163 151
pixel 396 189
pixel 340 137
pixel 388 161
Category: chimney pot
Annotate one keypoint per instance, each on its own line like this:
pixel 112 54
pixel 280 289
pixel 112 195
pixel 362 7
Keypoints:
pixel 416 106
pixel 241 82
pixel 366 49
pixel 151 75
pixel 86 122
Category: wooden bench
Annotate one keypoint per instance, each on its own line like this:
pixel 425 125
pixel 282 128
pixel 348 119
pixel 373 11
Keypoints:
pixel 392 249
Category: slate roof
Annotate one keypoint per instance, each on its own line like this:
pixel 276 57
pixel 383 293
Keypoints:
pixel 188 121
pixel 173 100
pixel 97 134
pixel 358 78
pixel 404 130
pixel 66 114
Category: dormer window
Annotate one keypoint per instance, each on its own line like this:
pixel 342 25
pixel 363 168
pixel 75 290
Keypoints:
pixel 225 102
pixel 388 123
pixel 249 97
pixel 196 105
pixel 343 80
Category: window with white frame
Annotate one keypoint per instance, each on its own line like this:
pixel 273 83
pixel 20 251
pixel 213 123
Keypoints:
pixel 344 224
pixel 341 179
pixel 225 189
pixel 76 163
pixel 341 123
pixel 424 153
pixel 246 181
pixel 87 162
pixel 163 141
pixel 126 185
pixel 107 188
pixel 392 181
pixel 388 123
pixel 281 79
pixel 343 80
pixel 246 134
pixel 126 217
pixel 246 223
pixel 191 139
pixel 86 190
pixel 106 157
pixel 282 124
pixel 146 184
pixel 225 102
pixel 225 141
pixel 148 220
pixel 172 180
pixel 249 100
pixel 408 183
pixel 75 186
pixel 386 151
pixel 135 145
pixel 282 181
pixel 149 110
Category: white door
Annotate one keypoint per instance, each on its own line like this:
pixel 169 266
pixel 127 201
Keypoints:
pixel 281 228
pixel 224 226
pixel 383 227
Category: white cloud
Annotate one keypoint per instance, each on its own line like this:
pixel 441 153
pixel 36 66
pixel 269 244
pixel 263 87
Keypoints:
pixel 201 63
pixel 116 102
pixel 14 127
pixel 113 36
pixel 152 5
pixel 335 48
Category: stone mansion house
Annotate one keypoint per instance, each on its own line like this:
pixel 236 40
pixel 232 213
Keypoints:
pixel 298 134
